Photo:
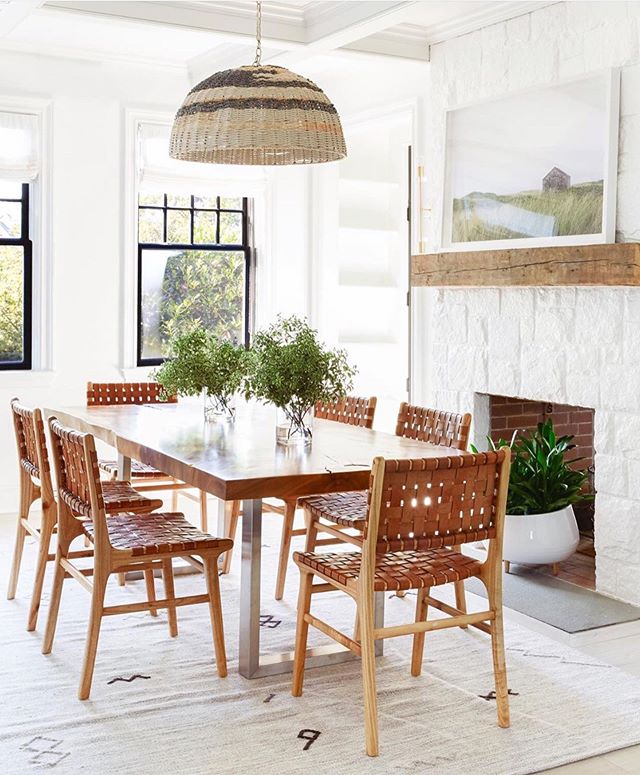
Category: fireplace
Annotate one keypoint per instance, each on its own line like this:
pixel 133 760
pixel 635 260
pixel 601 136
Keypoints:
pixel 508 416
pixel 565 346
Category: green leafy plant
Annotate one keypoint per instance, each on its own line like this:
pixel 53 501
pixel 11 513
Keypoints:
pixel 542 479
pixel 201 362
pixel 293 369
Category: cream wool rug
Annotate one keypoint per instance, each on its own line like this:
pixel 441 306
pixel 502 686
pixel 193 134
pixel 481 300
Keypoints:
pixel 157 705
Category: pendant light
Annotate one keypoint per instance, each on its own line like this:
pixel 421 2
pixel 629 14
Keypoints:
pixel 257 114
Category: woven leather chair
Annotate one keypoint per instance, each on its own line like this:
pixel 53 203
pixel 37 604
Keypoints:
pixel 144 477
pixel 350 411
pixel 419 513
pixel 124 542
pixel 35 482
pixel 343 515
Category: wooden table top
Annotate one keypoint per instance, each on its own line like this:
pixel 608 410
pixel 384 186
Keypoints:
pixel 242 460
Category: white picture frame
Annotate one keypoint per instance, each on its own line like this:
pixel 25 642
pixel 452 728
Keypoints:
pixel 586 131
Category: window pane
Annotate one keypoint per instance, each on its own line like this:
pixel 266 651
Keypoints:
pixel 204 227
pixel 181 200
pixel 148 198
pixel 150 225
pixel 11 303
pixel 180 288
pixel 10 219
pixel 210 202
pixel 179 226
pixel 230 228
pixel 10 190
pixel 231 203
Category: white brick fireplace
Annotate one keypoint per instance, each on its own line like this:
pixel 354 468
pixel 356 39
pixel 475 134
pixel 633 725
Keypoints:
pixel 578 346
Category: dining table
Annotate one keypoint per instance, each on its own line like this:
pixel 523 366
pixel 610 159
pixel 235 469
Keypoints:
pixel 241 460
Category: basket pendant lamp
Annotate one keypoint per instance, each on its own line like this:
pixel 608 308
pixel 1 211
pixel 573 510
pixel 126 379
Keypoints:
pixel 257 114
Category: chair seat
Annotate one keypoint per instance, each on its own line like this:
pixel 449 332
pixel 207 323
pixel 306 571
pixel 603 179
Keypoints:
pixel 396 570
pixel 157 533
pixel 138 470
pixel 342 508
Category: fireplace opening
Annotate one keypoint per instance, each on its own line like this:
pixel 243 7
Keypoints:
pixel 514 415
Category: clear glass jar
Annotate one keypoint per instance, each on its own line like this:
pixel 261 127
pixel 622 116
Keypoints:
pixel 219 408
pixel 293 430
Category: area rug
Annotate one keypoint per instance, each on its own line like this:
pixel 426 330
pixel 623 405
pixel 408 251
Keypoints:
pixel 158 707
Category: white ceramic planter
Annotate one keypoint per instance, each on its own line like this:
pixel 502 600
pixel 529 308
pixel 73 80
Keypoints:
pixel 540 539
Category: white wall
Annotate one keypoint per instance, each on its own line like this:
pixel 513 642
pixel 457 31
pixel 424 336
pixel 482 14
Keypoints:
pixel 566 345
pixel 88 101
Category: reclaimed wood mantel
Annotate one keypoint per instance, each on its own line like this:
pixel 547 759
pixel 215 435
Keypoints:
pixel 610 264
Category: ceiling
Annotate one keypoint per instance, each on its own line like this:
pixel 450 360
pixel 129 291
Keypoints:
pixel 206 35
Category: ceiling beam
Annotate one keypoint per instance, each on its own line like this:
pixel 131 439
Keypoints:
pixel 14 12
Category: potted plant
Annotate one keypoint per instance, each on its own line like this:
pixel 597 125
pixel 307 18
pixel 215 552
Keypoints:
pixel 540 526
pixel 200 363
pixel 293 370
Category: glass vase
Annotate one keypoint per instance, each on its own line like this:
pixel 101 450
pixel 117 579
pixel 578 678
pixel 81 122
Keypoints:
pixel 292 429
pixel 219 408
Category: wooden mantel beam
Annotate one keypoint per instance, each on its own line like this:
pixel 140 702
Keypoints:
pixel 611 264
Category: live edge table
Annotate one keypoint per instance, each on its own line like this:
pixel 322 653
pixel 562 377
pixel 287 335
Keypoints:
pixel 241 461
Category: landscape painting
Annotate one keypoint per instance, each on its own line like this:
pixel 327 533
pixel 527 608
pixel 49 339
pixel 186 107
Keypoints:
pixel 532 167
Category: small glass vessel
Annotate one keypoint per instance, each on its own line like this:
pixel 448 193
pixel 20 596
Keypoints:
pixel 219 408
pixel 294 430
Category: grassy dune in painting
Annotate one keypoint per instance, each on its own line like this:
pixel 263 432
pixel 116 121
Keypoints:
pixel 577 210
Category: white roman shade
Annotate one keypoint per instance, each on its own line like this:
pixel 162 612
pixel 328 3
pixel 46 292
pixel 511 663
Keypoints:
pixel 19 146
pixel 157 171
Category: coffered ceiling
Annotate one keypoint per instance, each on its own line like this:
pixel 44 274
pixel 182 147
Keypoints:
pixel 205 35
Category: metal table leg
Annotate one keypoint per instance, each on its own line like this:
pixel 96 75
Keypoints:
pixel 124 467
pixel 251 664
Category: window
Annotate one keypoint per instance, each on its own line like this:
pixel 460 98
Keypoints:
pixel 15 276
pixel 194 263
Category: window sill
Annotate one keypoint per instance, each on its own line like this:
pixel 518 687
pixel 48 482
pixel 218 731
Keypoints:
pixel 31 378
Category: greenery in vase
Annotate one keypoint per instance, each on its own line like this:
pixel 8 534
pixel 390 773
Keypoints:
pixel 202 362
pixel 542 480
pixel 293 369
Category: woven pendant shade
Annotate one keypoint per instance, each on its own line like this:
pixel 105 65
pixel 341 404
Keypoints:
pixel 257 114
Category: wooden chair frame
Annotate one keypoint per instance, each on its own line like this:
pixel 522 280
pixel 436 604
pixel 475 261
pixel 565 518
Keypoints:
pixel 362 591
pixel 434 426
pixel 109 560
pixel 350 411
pixel 34 482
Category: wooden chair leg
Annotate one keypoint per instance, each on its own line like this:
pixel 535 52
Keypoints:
pixel 285 545
pixel 312 532
pixel 500 669
pixel 204 512
pixel 56 594
pixel 461 600
pixel 25 501
pixel 151 590
pixel 417 653
pixel 365 609
pixel 302 633
pixel 93 633
pixel 170 592
pixel 215 609
pixel 46 531
pixel 121 579
pixel 174 500
pixel 507 566
pixel 356 628
pixel 231 515
pixel 555 568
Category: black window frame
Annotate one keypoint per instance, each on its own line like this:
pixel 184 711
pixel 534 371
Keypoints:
pixel 244 247
pixel 25 243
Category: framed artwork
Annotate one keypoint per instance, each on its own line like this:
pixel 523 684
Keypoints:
pixel 536 168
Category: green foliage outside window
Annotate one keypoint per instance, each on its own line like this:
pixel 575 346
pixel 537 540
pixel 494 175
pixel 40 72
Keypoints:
pixel 10 303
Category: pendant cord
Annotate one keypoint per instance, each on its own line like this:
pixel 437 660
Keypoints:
pixel 256 61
